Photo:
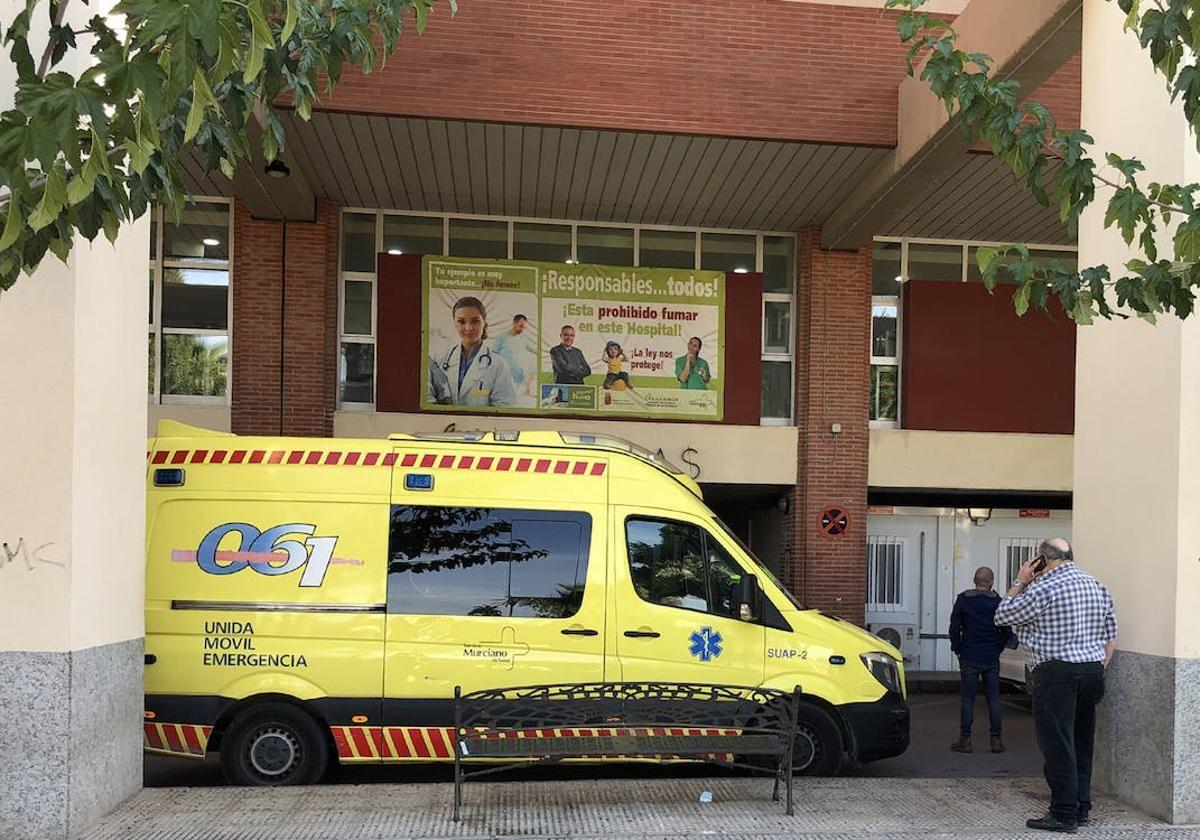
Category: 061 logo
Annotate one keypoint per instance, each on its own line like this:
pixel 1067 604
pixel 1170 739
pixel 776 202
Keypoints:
pixel 274 551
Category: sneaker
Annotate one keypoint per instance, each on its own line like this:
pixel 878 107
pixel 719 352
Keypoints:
pixel 1083 818
pixel 1051 823
pixel 997 744
pixel 963 745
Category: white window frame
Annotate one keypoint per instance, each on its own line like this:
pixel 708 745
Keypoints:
pixel 1029 544
pixel 900 574
pixel 897 300
pixel 343 276
pixel 158 263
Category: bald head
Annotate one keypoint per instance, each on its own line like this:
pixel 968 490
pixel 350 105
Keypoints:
pixel 1057 551
pixel 984 578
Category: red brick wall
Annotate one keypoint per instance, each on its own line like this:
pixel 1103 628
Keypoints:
pixel 309 325
pixel 832 369
pixel 255 332
pixel 754 68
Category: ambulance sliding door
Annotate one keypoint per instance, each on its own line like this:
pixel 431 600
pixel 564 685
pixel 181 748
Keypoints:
pixel 493 581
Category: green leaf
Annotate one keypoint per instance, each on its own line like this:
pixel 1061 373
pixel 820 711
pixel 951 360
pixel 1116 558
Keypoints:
pixel 422 10
pixel 54 198
pixel 202 98
pixel 61 248
pixel 292 18
pixel 1021 298
pixel 12 227
pixel 80 186
pixel 985 255
pixel 260 41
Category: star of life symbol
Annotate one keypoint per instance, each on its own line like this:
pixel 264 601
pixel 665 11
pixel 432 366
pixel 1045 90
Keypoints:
pixel 705 643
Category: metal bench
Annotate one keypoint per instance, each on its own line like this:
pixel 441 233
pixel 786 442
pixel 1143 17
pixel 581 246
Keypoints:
pixel 720 724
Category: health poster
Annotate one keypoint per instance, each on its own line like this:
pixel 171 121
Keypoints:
pixel 550 338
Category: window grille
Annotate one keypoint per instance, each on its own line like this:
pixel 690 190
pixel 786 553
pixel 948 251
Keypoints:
pixel 1014 552
pixel 885 574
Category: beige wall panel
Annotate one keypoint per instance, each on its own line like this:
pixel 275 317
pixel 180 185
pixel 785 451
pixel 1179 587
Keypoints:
pixel 969 460
pixel 732 454
pixel 1134 408
pixel 214 417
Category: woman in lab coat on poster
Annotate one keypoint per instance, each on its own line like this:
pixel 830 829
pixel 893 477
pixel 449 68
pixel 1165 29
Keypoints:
pixel 475 375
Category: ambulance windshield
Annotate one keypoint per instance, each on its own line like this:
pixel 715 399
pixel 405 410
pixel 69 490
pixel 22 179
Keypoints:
pixel 762 568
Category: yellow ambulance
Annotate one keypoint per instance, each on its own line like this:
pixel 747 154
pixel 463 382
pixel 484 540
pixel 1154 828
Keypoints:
pixel 310 600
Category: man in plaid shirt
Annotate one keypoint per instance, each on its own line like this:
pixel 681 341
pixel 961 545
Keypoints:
pixel 1066 622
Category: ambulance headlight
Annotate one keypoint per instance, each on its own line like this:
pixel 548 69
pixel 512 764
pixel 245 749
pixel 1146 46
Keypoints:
pixel 883 668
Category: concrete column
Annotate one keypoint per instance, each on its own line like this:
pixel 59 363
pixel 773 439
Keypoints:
pixel 72 526
pixel 1137 456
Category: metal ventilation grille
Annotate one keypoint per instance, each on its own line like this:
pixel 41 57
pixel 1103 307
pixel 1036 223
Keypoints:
pixel 885 574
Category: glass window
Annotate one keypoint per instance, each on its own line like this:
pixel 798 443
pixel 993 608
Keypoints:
pixel 883 392
pixel 202 233
pixel 885 268
pixel 357 308
pixel 777 390
pixel 357 372
pixel 726 252
pixel 883 330
pixel 153 211
pixel 486 561
pixel 194 365
pixel 667 249
pixel 777 326
pixel 150 380
pixel 358 242
pixel 779 263
pixel 478 238
pixel 934 262
pixel 1068 259
pixel 411 235
pixel 152 272
pixel 724 575
pixel 544 243
pixel 604 245
pixel 666 563
pixel 679 565
pixel 195 298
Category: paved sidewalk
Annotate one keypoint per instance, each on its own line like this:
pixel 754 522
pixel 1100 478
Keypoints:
pixel 830 809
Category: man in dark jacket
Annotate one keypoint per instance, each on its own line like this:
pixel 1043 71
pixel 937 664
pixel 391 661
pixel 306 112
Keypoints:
pixel 978 642
pixel 568 361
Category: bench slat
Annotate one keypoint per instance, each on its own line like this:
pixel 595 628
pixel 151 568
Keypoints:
pixel 619 745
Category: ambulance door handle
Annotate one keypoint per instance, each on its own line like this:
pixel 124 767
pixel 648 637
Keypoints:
pixel 579 631
pixel 642 634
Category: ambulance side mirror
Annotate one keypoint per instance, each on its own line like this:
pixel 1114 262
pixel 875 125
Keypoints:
pixel 748 597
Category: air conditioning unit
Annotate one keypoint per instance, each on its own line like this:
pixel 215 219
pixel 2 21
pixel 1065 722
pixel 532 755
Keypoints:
pixel 905 637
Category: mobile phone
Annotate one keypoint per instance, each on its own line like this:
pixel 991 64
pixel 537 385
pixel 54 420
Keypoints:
pixel 1039 563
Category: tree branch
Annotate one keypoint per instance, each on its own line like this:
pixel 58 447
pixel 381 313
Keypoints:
pixel 48 53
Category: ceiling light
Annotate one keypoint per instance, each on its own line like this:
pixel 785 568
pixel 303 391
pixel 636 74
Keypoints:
pixel 210 242
pixel 394 251
pixel 277 169
pixel 741 270
pixel 899 278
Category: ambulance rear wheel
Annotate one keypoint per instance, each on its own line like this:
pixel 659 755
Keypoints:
pixel 818 748
pixel 274 744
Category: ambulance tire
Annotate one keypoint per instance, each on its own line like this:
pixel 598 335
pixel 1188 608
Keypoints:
pixel 273 744
pixel 819 746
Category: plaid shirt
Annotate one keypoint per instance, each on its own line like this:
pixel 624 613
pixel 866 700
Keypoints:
pixel 1064 614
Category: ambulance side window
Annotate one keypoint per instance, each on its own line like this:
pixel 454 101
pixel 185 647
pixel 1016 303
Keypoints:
pixel 487 561
pixel 680 565
pixel 666 563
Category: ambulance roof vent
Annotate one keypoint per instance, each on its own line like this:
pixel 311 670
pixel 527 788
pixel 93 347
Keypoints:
pixel 621 445
pixel 460 437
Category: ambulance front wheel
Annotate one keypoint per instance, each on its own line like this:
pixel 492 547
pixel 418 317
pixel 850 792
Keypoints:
pixel 818 748
pixel 274 744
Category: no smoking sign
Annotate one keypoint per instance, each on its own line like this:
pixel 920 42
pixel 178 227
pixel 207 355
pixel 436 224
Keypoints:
pixel 834 521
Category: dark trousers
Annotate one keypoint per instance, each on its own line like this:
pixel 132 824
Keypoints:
pixel 1065 695
pixel 971 674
